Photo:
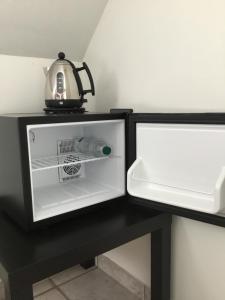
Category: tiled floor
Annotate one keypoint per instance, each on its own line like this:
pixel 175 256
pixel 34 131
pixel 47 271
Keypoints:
pixel 79 284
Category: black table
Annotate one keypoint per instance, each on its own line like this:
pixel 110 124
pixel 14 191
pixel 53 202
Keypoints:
pixel 29 257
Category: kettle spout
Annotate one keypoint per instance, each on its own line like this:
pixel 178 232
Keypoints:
pixel 45 69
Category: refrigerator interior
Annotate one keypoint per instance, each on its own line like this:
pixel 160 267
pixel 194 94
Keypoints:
pixel 181 165
pixel 62 180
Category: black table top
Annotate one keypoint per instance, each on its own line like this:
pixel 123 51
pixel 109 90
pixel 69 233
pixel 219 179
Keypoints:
pixel 95 232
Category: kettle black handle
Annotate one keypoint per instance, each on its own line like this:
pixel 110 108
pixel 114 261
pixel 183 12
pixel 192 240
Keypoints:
pixel 79 82
pixel 77 77
pixel 92 90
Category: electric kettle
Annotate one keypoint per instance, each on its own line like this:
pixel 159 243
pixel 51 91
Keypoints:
pixel 64 87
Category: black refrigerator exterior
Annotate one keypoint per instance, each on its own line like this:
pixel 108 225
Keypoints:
pixel 15 183
pixel 15 173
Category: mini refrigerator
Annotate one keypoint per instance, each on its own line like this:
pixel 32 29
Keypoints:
pixel 175 160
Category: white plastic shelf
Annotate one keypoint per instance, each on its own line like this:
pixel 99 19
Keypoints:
pixel 141 187
pixel 67 159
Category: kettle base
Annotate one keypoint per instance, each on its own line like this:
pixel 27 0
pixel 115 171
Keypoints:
pixel 64 110
pixel 65 103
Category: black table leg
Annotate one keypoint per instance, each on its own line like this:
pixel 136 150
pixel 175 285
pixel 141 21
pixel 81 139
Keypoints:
pixel 160 263
pixel 88 263
pixel 17 288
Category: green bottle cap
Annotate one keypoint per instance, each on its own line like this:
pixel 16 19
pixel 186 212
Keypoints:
pixel 106 150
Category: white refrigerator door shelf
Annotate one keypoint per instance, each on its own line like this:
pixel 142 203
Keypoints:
pixel 181 165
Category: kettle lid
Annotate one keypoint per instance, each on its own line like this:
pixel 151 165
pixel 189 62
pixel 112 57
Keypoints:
pixel 61 55
pixel 61 60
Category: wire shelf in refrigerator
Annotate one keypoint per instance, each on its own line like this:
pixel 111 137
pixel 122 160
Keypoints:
pixel 66 159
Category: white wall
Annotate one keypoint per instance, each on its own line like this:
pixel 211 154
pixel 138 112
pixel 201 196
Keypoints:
pixel 160 55
pixel 43 28
pixel 22 83
pixel 166 56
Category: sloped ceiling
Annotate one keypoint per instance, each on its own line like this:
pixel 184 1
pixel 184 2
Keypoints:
pixel 42 28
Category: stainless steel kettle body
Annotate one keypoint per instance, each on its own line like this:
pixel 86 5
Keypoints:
pixel 64 87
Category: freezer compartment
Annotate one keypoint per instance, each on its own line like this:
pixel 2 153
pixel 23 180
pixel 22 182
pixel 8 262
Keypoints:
pixel 63 180
pixel 181 165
